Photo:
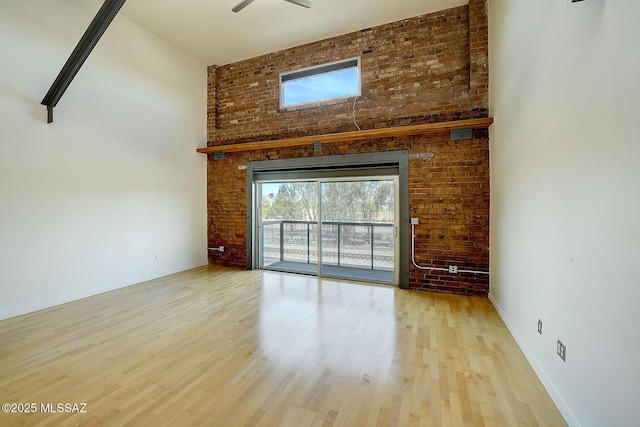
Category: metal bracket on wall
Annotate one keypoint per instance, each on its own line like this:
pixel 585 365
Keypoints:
pixel 98 26
pixel 461 134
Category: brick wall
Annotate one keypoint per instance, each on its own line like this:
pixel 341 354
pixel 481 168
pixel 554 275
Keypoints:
pixel 449 193
pixel 424 69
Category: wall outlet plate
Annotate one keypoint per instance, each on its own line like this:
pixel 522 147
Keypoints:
pixel 562 350
pixel 453 269
pixel 415 221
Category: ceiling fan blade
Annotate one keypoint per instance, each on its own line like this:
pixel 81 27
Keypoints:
pixel 244 3
pixel 303 3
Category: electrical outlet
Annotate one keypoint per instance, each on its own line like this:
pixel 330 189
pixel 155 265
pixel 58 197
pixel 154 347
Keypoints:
pixel 562 350
pixel 157 257
pixel 221 248
pixel 540 326
pixel 453 269
pixel 415 221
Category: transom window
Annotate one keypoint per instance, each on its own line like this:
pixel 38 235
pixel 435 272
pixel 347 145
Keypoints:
pixel 325 82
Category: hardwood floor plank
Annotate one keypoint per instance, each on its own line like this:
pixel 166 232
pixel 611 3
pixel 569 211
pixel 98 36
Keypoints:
pixel 214 346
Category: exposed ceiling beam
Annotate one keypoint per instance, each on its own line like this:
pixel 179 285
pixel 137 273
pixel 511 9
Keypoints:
pixel 96 29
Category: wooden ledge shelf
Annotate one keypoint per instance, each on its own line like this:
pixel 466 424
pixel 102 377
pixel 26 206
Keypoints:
pixel 351 136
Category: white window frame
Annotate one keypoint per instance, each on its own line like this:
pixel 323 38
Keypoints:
pixel 319 70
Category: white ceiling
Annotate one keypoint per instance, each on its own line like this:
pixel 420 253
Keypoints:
pixel 211 33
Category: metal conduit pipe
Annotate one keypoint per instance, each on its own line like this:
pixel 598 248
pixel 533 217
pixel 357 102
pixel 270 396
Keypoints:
pixel 413 257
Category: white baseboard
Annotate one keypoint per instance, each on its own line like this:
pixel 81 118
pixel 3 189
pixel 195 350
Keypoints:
pixel 41 305
pixel 546 382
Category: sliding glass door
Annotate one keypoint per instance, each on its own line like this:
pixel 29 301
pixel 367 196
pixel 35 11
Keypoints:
pixel 330 227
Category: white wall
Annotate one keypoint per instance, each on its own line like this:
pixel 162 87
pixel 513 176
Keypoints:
pixel 87 202
pixel 565 197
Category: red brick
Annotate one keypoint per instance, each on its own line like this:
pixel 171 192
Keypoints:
pixel 425 69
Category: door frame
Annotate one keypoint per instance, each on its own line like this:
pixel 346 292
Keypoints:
pixel 347 165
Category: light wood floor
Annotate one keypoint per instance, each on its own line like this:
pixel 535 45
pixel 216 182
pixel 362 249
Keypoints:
pixel 215 347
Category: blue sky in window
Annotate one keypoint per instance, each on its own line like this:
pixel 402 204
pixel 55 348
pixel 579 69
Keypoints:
pixel 271 187
pixel 324 86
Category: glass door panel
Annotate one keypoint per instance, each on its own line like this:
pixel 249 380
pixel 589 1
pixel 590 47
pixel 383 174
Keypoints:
pixel 358 229
pixel 288 226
